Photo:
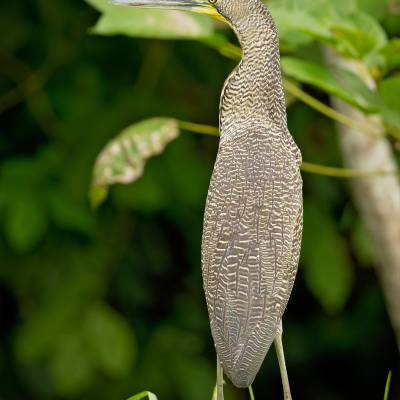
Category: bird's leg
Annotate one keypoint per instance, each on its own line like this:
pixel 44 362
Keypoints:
pixel 282 363
pixel 220 380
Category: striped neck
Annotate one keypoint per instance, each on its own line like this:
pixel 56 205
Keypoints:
pixel 253 93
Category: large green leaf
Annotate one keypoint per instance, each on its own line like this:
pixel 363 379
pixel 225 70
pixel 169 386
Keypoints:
pixel 297 28
pixel 362 245
pixel 327 266
pixel 151 23
pixel 110 340
pixel 71 366
pixel 347 86
pixel 319 76
pixel 25 223
pixel 376 8
pixel 362 94
pixel 124 158
pixel 340 25
pixel 390 92
pixel 69 214
pixel 358 35
pixel 390 54
pixel 142 395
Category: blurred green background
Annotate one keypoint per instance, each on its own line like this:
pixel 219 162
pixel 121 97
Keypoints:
pixel 101 305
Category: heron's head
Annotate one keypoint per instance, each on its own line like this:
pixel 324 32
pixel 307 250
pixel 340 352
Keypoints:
pixel 225 10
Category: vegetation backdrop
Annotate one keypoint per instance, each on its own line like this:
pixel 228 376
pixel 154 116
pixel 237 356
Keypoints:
pixel 107 303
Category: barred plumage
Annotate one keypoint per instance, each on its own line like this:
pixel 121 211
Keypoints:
pixel 253 218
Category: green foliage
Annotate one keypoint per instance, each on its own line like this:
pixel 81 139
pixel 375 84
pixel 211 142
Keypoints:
pixel 341 25
pixel 110 340
pixel 123 159
pixel 327 266
pixel 389 89
pixel 142 395
pixel 25 224
pixel 389 55
pixel 149 23
pixel 71 366
pixel 387 386
pixel 319 76
pixel 101 305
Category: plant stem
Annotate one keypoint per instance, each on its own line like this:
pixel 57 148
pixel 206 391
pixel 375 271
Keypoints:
pixel 251 393
pixel 387 387
pixel 342 172
pixel 326 110
pixel 198 128
pixel 306 167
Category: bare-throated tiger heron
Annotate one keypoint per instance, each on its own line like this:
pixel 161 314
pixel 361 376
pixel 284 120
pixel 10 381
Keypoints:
pixel 253 218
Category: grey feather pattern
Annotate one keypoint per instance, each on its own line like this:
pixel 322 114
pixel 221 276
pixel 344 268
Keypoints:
pixel 251 246
pixel 253 218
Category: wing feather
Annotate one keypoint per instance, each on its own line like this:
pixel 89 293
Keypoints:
pixel 251 245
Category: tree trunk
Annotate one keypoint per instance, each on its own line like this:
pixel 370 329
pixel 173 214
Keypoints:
pixel 377 198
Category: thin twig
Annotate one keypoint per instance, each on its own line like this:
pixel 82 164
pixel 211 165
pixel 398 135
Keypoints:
pixel 306 166
pixel 28 82
pixel 29 88
pixel 326 110
pixel 342 172
pixel 198 128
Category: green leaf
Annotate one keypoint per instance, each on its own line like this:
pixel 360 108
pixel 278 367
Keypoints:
pixel 367 99
pixel 362 244
pixel 297 28
pixel 25 223
pixel 39 334
pixel 340 25
pixel 150 23
pixel 376 8
pixel 142 395
pixel 110 340
pixel 149 194
pixel 327 266
pixel 350 88
pixel 319 76
pixel 358 35
pixel 387 386
pixel 389 89
pixel 390 54
pixel 187 376
pixel 70 215
pixel 124 158
pixel 71 365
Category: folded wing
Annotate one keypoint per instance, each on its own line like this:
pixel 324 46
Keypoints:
pixel 251 244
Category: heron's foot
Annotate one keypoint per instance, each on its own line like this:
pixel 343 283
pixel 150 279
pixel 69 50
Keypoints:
pixel 282 363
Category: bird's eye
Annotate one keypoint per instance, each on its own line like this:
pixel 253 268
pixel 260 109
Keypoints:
pixel 212 1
